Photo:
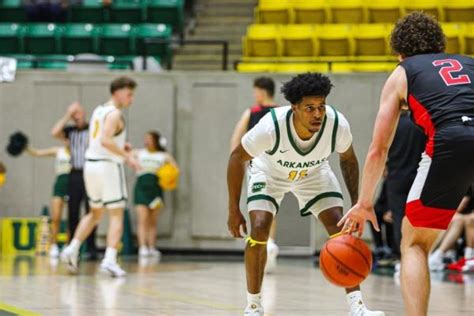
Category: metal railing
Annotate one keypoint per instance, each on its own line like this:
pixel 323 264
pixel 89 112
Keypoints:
pixel 35 60
pixel 184 42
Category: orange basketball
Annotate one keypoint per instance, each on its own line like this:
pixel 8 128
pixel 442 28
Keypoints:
pixel 345 261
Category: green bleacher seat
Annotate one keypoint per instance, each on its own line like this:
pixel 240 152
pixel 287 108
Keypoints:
pixel 89 11
pixel 127 11
pixel 10 38
pixel 53 62
pixel 116 40
pixel 167 12
pixel 154 31
pixel 79 38
pixel 120 62
pixel 23 61
pixel 41 38
pixel 12 11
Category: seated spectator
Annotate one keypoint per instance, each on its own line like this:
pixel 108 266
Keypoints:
pixel 46 10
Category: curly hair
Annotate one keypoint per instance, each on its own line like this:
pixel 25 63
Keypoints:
pixel 305 85
pixel 417 33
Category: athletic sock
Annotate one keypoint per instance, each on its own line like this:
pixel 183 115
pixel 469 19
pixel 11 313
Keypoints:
pixel 469 253
pixel 110 254
pixel 354 299
pixel 254 299
pixel 75 245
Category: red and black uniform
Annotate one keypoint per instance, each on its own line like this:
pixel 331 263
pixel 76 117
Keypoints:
pixel 441 99
pixel 257 112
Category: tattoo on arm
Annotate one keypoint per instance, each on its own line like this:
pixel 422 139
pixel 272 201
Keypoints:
pixel 350 172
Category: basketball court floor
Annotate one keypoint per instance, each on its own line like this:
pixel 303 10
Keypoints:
pixel 201 286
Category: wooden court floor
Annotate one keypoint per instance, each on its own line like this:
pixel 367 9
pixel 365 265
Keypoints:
pixel 201 286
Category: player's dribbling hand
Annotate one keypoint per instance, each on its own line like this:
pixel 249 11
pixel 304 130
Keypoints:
pixel 354 220
pixel 235 221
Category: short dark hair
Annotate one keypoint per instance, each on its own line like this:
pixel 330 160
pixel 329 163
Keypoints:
pixel 121 83
pixel 417 33
pixel 305 85
pixel 265 83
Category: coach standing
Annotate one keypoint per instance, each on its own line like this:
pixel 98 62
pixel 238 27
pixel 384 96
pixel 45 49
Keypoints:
pixel 78 136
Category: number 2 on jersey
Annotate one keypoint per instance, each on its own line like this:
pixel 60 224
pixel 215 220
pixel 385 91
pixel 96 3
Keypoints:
pixel 295 175
pixel 446 72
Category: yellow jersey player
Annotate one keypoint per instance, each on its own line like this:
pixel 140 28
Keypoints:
pixel 104 176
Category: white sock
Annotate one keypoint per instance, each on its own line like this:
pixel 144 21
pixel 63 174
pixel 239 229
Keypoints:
pixel 469 253
pixel 438 254
pixel 354 299
pixel 143 248
pixel 254 299
pixel 75 245
pixel 110 254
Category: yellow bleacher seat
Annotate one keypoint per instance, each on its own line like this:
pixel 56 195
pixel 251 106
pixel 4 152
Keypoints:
pixel 383 11
pixel 262 40
pixel 469 39
pixel 298 40
pixel 458 10
pixel 305 11
pixel 371 39
pixel 273 12
pixel 431 7
pixel 301 67
pixel 363 67
pixel 453 33
pixel 334 39
pixel 347 11
pixel 256 67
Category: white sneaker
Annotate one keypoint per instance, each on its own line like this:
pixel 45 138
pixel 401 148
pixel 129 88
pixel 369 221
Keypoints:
pixel 435 262
pixel 71 258
pixel 272 254
pixel 54 251
pixel 468 266
pixel 359 309
pixel 143 251
pixel 112 269
pixel 154 252
pixel 254 310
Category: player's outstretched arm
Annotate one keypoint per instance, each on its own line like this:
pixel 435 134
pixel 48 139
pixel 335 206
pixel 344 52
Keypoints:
pixel 393 95
pixel 235 176
pixel 47 152
pixel 350 172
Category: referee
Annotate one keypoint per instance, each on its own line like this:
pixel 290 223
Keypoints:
pixel 78 136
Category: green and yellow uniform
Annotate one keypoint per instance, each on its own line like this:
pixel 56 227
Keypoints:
pixel 147 189
pixel 62 167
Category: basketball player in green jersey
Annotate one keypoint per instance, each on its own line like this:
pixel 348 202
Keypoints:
pixel 289 149
pixel 148 194
pixel 62 167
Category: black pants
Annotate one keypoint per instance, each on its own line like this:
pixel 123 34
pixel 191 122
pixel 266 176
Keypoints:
pixel 77 194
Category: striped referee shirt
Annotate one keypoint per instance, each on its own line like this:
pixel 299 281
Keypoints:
pixel 78 139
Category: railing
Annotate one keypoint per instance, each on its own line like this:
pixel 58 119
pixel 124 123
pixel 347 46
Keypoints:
pixel 184 42
pixel 74 60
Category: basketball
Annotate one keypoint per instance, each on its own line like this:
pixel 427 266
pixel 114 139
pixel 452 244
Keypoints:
pixel 345 261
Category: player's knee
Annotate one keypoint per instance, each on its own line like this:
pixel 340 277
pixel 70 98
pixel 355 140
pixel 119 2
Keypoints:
pixel 261 229
pixel 97 215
